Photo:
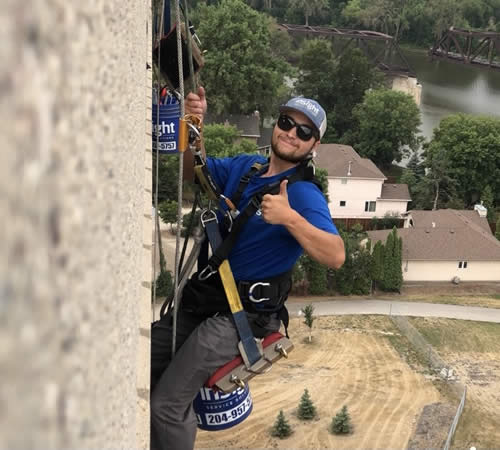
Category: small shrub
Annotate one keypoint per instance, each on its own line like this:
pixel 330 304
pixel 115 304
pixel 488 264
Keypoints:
pixel 168 212
pixel 309 318
pixel 186 219
pixel 341 423
pixel 281 428
pixel 307 410
pixel 164 284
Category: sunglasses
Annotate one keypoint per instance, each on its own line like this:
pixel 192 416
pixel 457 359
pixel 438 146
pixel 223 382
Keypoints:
pixel 304 132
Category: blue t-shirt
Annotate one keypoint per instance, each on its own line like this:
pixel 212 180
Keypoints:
pixel 263 250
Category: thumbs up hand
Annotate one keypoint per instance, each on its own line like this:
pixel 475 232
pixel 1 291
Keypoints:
pixel 276 208
pixel 196 103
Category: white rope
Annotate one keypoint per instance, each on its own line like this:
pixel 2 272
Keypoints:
pixel 181 168
pixel 156 246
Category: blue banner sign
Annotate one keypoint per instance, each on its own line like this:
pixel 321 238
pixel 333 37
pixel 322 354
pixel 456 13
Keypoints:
pixel 166 129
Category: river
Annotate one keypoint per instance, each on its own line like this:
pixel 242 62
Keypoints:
pixel 449 88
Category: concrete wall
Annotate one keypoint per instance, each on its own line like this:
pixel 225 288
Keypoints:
pixel 408 85
pixel 75 201
pixel 446 270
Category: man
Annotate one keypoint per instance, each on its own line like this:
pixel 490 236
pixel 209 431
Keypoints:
pixel 294 220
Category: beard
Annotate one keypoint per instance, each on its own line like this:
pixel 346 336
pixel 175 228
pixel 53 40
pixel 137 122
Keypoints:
pixel 291 158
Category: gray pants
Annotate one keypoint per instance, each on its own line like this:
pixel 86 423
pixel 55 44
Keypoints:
pixel 203 347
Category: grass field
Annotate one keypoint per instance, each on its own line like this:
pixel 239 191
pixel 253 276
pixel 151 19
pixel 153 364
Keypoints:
pixel 473 351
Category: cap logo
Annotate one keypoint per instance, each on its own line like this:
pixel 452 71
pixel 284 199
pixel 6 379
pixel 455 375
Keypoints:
pixel 308 105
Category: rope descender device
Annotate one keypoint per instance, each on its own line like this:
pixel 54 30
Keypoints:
pixel 190 130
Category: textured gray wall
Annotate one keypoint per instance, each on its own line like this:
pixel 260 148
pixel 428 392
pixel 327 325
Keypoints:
pixel 75 204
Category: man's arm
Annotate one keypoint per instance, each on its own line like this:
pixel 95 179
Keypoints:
pixel 324 247
pixel 194 104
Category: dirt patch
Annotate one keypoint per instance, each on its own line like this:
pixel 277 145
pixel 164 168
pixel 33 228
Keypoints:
pixel 433 426
pixel 350 362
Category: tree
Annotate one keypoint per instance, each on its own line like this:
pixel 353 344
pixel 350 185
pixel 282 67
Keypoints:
pixel 377 263
pixel 354 275
pixel 164 284
pixel 224 140
pixel 341 423
pixel 497 230
pixel 444 14
pixel 316 68
pixel 306 410
pixel 420 188
pixel 416 166
pixel 168 168
pixel 434 189
pixel 240 74
pixel 316 276
pixel 322 176
pixel 338 86
pixel 393 273
pixel 309 318
pixel 388 222
pixel 354 75
pixel 388 126
pixel 488 202
pixel 388 16
pixel 168 212
pixel 469 149
pixel 309 7
pixel 361 284
pixel 281 428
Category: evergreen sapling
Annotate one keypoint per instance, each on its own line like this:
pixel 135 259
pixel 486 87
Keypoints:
pixel 341 423
pixel 281 428
pixel 307 410
pixel 309 318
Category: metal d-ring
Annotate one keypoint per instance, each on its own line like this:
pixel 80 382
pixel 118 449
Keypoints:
pixel 206 273
pixel 207 212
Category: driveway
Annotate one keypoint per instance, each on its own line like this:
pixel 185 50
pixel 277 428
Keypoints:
pixel 387 307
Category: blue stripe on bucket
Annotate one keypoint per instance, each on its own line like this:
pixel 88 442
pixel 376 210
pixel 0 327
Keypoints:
pixel 218 411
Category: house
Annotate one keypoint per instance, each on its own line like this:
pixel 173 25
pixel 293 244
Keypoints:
pixel 264 141
pixel 443 244
pixel 357 188
pixel 248 125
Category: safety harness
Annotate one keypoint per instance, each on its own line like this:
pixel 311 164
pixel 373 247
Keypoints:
pixel 262 297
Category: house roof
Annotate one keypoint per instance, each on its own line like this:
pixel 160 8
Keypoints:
pixel 335 159
pixel 249 126
pixel 457 238
pixel 395 192
pixel 448 218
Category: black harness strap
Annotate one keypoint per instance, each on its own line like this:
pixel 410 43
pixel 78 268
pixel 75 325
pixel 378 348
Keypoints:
pixel 245 179
pixel 304 172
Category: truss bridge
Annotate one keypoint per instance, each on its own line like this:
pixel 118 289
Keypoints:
pixel 381 49
pixel 478 48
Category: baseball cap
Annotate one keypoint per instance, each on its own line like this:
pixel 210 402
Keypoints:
pixel 311 109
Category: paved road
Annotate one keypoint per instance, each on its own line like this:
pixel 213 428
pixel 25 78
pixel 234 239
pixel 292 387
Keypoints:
pixel 387 307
